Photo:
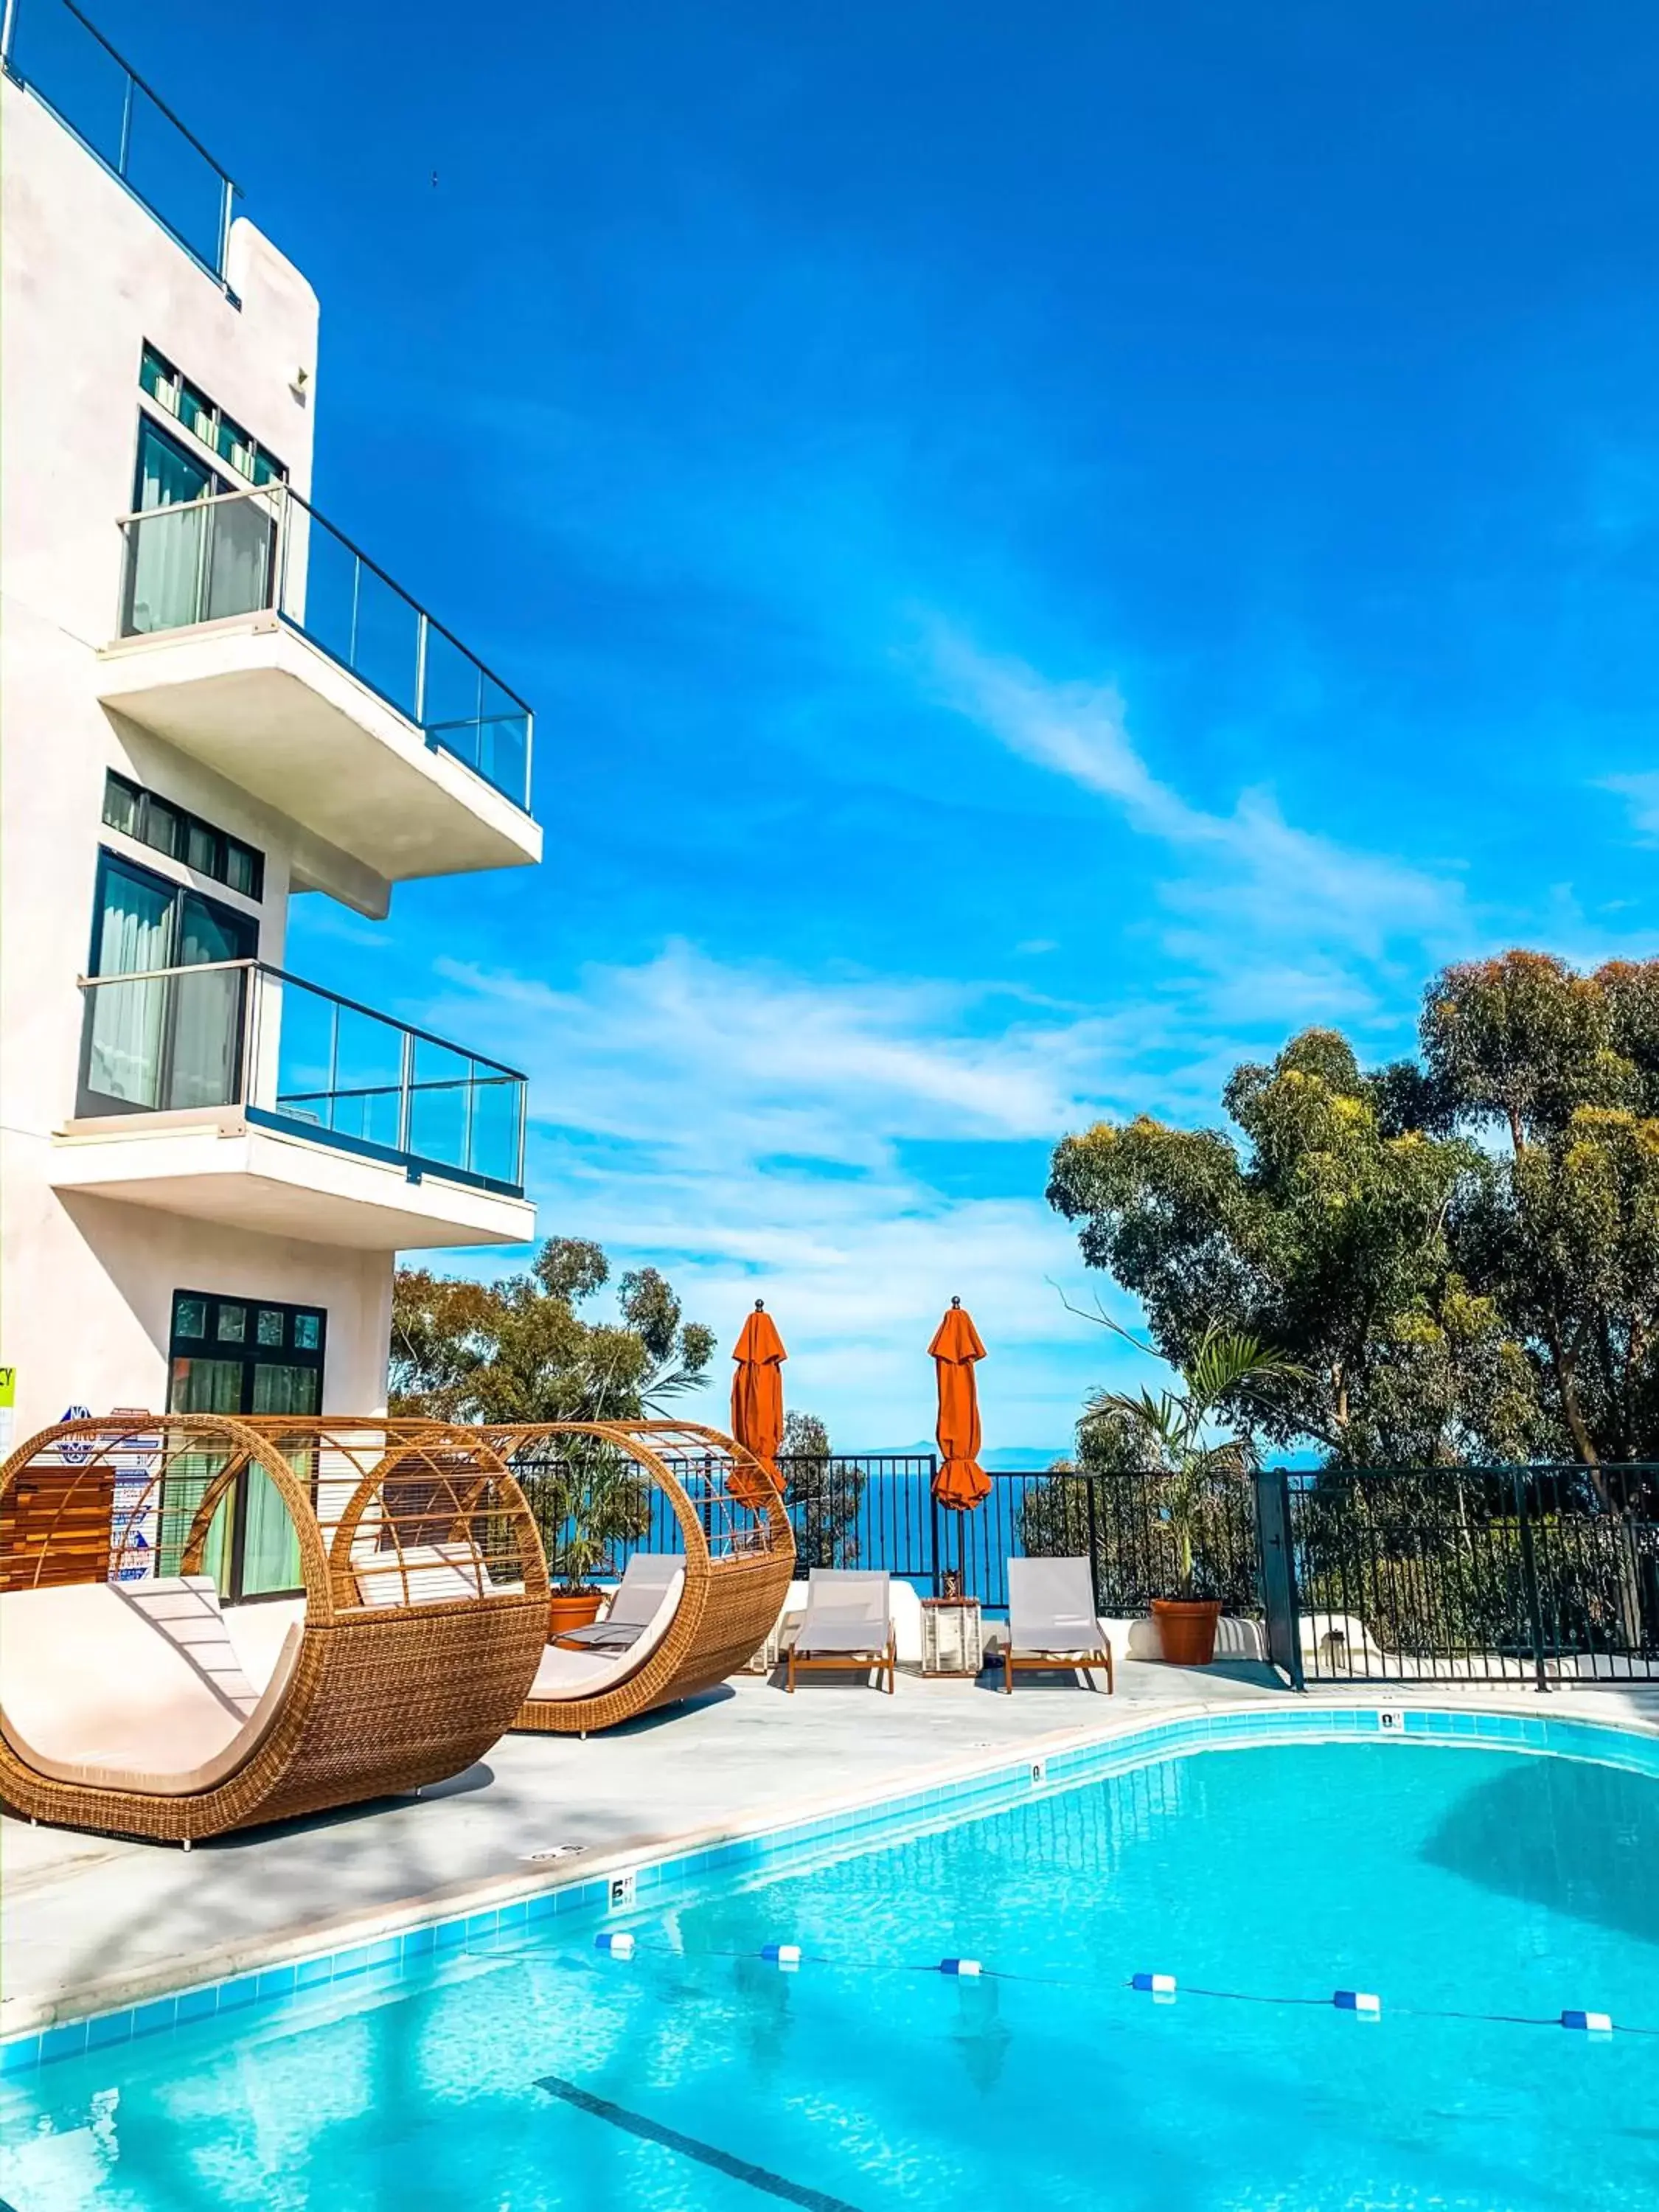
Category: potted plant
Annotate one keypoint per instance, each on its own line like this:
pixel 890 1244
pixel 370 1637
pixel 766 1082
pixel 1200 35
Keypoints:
pixel 591 1501
pixel 1174 1432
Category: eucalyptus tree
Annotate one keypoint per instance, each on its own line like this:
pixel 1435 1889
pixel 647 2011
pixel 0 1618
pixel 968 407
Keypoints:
pixel 1319 1223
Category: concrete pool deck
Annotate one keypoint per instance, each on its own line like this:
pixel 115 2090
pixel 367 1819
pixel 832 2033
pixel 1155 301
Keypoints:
pixel 90 1923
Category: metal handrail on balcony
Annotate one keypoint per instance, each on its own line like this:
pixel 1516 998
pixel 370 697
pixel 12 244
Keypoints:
pixel 294 1056
pixel 57 53
pixel 267 550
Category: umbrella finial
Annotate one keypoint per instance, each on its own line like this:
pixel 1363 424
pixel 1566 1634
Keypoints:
pixel 956 1302
pixel 760 1305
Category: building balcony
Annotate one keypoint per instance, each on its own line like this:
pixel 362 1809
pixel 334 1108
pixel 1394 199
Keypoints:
pixel 234 1093
pixel 255 637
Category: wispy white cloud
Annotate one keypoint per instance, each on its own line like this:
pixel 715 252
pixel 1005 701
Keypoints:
pixel 749 1129
pixel 757 1130
pixel 1250 870
pixel 1641 795
pixel 768 1063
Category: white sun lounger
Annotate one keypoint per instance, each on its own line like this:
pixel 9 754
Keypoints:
pixel 645 1584
pixel 133 1686
pixel 847 1626
pixel 1052 1623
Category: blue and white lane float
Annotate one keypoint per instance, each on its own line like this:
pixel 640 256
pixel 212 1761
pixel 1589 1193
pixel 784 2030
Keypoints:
pixel 1162 1987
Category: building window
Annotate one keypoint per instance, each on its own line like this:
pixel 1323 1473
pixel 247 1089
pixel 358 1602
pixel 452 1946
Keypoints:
pixel 209 424
pixel 188 561
pixel 167 828
pixel 169 1038
pixel 229 1355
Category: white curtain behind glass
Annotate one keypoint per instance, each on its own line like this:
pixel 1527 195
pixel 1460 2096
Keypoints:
pixel 207 1022
pixel 165 583
pixel 135 930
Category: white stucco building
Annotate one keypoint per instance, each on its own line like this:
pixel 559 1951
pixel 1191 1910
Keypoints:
pixel 211 703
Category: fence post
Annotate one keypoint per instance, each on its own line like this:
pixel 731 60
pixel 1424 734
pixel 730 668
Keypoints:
pixel 1276 1560
pixel 1089 1481
pixel 934 1511
pixel 1529 1581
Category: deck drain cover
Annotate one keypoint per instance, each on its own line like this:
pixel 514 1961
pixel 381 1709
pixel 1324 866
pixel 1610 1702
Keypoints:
pixel 557 1852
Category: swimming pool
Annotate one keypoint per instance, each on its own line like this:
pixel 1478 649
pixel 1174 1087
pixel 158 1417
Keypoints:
pixel 533 2071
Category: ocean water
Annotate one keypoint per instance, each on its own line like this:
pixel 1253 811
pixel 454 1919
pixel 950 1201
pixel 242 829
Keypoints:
pixel 1492 1886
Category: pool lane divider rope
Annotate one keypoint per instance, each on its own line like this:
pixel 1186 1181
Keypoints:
pixel 692 2147
pixel 1163 1989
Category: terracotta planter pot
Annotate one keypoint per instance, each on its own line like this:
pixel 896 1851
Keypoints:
pixel 565 1611
pixel 1186 1627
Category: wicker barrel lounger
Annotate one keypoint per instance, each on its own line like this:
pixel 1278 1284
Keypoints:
pixel 124 1702
pixel 736 1556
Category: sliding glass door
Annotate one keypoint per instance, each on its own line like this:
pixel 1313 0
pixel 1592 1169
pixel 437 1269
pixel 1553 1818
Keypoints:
pixel 193 554
pixel 126 1021
pixel 248 1356
pixel 175 1040
pixel 165 557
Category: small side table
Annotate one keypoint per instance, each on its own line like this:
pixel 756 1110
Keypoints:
pixel 952 1636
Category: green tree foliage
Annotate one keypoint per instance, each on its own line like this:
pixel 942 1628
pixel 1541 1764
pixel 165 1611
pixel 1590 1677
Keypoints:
pixel 1176 1433
pixel 520 1349
pixel 823 1492
pixel 1321 1230
pixel 1557 1075
pixel 1461 1253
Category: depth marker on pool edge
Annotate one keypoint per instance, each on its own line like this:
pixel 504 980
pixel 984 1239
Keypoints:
pixel 740 2169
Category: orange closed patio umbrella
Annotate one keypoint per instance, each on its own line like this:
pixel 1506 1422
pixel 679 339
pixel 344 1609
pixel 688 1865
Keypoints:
pixel 961 1482
pixel 758 1403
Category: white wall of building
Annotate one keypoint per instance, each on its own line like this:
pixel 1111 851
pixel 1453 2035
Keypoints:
pixel 86 1284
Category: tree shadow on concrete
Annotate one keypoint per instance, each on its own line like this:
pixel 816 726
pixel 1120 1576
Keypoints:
pixel 665 1716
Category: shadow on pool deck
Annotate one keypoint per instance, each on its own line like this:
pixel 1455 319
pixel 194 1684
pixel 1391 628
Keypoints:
pixel 78 1910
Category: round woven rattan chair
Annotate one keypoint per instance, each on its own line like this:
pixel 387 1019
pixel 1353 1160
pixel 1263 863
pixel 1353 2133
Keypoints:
pixel 398 1634
pixel 733 1558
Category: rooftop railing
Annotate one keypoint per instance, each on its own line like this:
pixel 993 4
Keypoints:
pixel 267 549
pixel 296 1057
pixel 71 68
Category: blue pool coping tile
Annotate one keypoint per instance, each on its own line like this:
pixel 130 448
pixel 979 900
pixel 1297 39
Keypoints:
pixel 416 1950
pixel 67 2041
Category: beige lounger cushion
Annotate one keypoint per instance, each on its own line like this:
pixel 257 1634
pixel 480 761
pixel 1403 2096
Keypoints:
pixel 131 1685
pixel 586 1674
pixel 436 1572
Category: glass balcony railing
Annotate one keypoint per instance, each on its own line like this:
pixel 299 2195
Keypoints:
pixel 295 1057
pixel 247 552
pixel 73 70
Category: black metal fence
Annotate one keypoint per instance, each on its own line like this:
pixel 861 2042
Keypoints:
pixel 1474 1574
pixel 1483 1574
pixel 878 1509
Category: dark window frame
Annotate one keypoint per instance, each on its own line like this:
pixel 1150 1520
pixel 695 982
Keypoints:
pixel 251 1354
pixel 224 842
pixel 256 450
pixel 93 1105
pixel 194 455
pixel 233 916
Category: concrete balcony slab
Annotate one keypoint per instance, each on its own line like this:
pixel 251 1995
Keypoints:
pixel 216 1166
pixel 258 702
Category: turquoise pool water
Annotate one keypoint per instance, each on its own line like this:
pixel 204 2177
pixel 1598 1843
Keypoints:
pixel 698 2077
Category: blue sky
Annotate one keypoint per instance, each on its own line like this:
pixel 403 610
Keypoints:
pixel 1051 546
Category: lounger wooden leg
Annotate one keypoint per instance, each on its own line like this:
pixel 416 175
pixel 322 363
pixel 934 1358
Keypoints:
pixel 790 1684
pixel 1007 1670
pixel 1111 1679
